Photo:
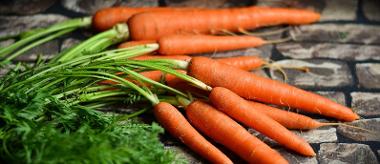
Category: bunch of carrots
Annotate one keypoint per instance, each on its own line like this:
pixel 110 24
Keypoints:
pixel 227 96
pixel 235 96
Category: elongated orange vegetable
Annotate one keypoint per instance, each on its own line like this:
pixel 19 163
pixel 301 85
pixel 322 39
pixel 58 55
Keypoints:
pixel 154 25
pixel 195 44
pixel 239 109
pixel 177 125
pixel 251 86
pixel 227 132
pixel 287 119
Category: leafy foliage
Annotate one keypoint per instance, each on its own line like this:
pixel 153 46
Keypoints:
pixel 37 128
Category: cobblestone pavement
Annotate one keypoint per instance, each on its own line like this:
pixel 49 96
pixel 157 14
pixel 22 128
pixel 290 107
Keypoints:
pixel 342 52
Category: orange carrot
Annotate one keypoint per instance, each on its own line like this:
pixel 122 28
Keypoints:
pixel 239 109
pixel 251 86
pixel 154 25
pixel 287 119
pixel 244 62
pixel 226 131
pixel 177 125
pixel 195 44
pixel 106 18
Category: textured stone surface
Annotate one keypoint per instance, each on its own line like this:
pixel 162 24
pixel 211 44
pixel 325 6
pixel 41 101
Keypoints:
pixel 321 74
pixel 5 69
pixel 351 52
pixel 368 75
pixel 69 42
pixel 373 125
pixel 339 10
pixel 294 158
pixel 45 51
pixel 320 135
pixel 338 97
pixel 91 6
pixel 24 6
pixel 371 9
pixel 186 153
pixel 339 153
pixel 366 104
pixel 208 3
pixel 12 25
pixel 342 33
pixel 264 52
pixel 6 42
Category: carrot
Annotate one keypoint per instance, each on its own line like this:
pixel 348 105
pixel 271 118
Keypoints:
pixel 226 131
pixel 262 89
pixel 239 109
pixel 287 119
pixel 154 25
pixel 244 62
pixel 195 44
pixel 177 125
pixel 106 18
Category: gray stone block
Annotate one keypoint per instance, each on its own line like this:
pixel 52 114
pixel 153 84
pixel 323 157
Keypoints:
pixel 91 6
pixel 321 74
pixel 320 135
pixel 339 33
pixel 44 51
pixel 371 9
pixel 294 158
pixel 24 6
pixel 13 25
pixel 339 153
pixel 368 130
pixel 368 75
pixel 366 104
pixel 351 52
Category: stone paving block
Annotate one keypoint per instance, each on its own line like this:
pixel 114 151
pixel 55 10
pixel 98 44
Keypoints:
pixel 208 4
pixel 340 33
pixel 337 97
pixel 320 135
pixel 186 154
pixel 13 25
pixel 371 9
pixel 7 42
pixel 263 51
pixel 45 51
pixel 373 125
pixel 339 153
pixel 330 9
pixel 339 10
pixel 321 74
pixel 294 158
pixel 91 6
pixel 366 104
pixel 351 52
pixel 368 75
pixel 24 6
pixel 69 42
pixel 6 69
